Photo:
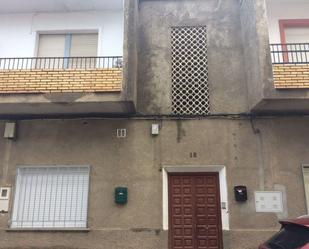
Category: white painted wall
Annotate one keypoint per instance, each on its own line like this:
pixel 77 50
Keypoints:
pixel 19 32
pixel 284 9
pixel 19 6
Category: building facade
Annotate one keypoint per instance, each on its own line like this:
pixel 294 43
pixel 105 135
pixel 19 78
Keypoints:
pixel 152 124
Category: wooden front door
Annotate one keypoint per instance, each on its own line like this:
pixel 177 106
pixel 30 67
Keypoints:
pixel 194 211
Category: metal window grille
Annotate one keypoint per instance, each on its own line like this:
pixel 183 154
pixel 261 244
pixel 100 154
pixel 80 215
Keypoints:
pixel 51 197
pixel 190 91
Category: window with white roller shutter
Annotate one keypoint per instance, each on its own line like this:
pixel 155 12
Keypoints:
pixel 51 46
pixel 84 45
pixel 68 45
pixel 75 46
pixel 51 197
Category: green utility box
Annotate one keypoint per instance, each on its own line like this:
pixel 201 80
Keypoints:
pixel 121 195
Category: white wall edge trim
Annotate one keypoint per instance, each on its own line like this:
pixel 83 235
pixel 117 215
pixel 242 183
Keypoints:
pixel 221 169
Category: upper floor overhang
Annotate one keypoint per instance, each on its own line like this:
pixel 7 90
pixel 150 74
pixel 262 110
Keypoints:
pixel 67 57
pixel 277 52
pixel 69 85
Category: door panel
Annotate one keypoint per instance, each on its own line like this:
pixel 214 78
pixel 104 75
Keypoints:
pixel 182 189
pixel 195 215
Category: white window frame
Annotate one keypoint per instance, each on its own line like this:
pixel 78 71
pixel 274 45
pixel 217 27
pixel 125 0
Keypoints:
pixel 11 227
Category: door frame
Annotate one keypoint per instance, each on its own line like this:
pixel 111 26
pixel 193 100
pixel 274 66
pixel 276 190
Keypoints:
pixel 289 23
pixel 197 170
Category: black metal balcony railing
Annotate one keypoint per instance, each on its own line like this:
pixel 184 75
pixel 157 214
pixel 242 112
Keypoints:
pixel 55 63
pixel 291 53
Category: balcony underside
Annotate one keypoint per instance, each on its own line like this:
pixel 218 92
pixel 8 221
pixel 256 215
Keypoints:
pixel 287 106
pixel 288 90
pixel 63 86
pixel 64 104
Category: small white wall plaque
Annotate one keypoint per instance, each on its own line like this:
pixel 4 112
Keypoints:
pixel 268 201
pixel 121 133
pixel 155 129
pixel 4 199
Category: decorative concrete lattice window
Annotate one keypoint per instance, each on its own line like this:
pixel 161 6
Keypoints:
pixel 190 91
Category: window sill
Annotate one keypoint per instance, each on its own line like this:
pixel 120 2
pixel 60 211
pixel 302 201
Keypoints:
pixel 55 230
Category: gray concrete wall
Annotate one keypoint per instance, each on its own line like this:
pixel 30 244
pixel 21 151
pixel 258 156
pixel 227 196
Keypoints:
pixel 227 79
pixel 239 62
pixel 264 154
pixel 252 36
pixel 130 50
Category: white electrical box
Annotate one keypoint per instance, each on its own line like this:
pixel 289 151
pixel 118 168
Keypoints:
pixel 10 130
pixel 268 202
pixel 4 199
pixel 155 128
